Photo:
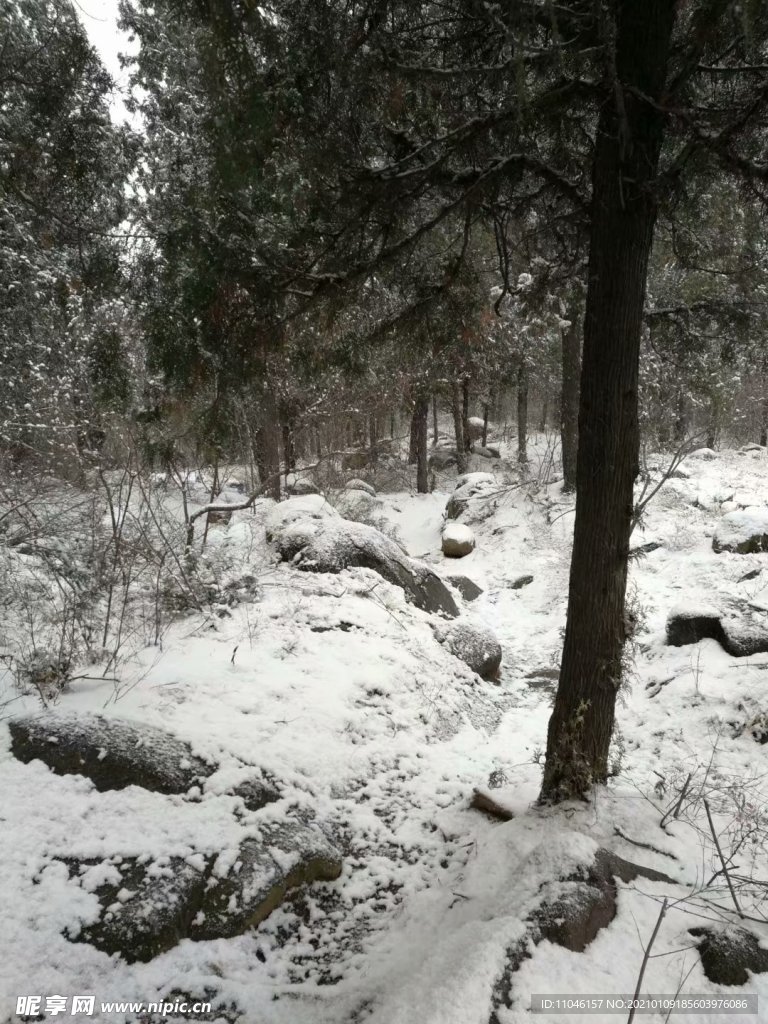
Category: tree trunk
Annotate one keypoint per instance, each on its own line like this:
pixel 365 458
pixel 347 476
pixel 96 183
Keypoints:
pixel 458 426
pixel 569 403
pixel 373 439
pixel 435 432
pixel 522 413
pixel 486 407
pixel 420 418
pixel 465 415
pixel 681 418
pixel 544 410
pixel 413 444
pixel 267 443
pixel 629 134
pixel 288 431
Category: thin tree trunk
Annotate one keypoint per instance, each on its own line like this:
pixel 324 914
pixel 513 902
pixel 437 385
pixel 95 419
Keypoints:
pixel 522 413
pixel 629 134
pixel 267 443
pixel 435 433
pixel 373 439
pixel 569 403
pixel 681 418
pixel 465 415
pixel 413 444
pixel 288 431
pixel 544 410
pixel 421 417
pixel 486 407
pixel 458 427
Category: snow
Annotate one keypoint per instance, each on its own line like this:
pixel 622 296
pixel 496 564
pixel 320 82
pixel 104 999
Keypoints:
pixel 739 526
pixel 340 689
pixel 459 533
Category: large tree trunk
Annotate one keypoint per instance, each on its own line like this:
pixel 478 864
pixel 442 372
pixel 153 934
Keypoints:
pixel 522 413
pixel 435 431
pixel 420 418
pixel 458 427
pixel 569 402
pixel 629 134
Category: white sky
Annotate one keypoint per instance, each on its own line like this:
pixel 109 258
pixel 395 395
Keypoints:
pixel 99 18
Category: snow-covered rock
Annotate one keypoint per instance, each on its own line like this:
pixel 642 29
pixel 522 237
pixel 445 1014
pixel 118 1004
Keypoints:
pixel 468 589
pixel 147 908
pixel 474 643
pixel 486 452
pixel 442 458
pixel 302 508
pixel 360 485
pixel 299 485
pixel 743 532
pixel 458 540
pixel 470 488
pixel 475 428
pixel 327 544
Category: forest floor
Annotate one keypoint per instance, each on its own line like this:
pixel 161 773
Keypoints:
pixel 341 689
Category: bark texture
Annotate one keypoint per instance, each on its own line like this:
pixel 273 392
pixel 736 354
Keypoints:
pixel 629 135
pixel 569 403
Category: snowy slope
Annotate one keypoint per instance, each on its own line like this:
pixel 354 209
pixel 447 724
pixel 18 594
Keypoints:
pixel 338 687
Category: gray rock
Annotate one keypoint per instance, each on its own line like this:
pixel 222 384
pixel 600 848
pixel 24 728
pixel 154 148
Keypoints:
pixel 301 486
pixel 457 540
pixel 284 857
pixel 332 544
pixel 148 911
pixel 472 489
pixel 154 906
pixel 743 532
pixel 468 589
pixel 740 641
pixel 486 452
pixel 112 753
pixel 729 956
pixel 442 458
pixel 476 645
pixel 520 582
pixel 475 427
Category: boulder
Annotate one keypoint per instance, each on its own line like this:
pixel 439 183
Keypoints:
pixel 113 754
pixel 752 448
pixel 284 857
pixel 486 452
pixel 691 626
pixel 468 589
pixel 360 485
pixel 110 752
pixel 299 486
pixel 471 489
pixel 730 955
pixel 442 458
pixel 475 426
pixel 355 460
pixel 299 509
pixel 476 645
pixel 147 908
pixel 329 544
pixel 458 540
pixel 743 532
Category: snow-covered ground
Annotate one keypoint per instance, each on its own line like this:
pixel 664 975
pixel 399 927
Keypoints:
pixel 342 690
